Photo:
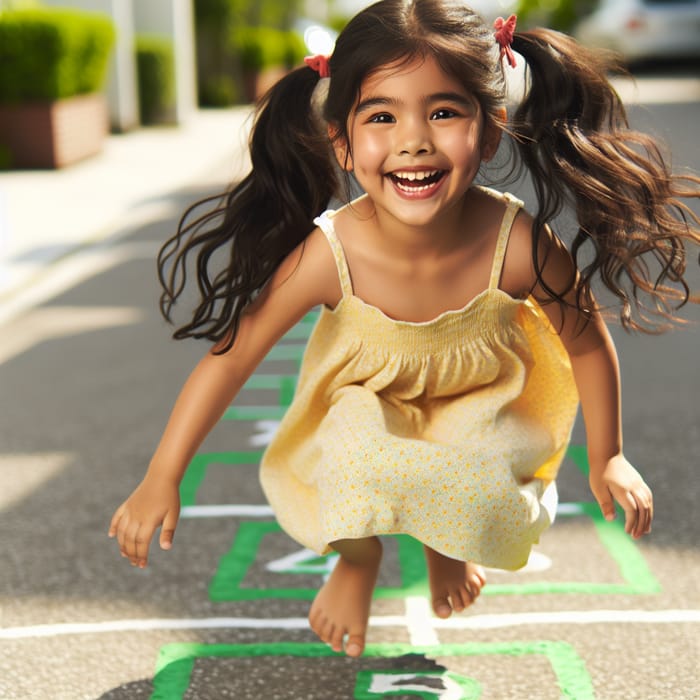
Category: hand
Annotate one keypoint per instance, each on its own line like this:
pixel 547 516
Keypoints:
pixel 617 480
pixel 154 502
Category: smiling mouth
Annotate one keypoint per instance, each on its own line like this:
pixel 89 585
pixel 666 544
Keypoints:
pixel 416 181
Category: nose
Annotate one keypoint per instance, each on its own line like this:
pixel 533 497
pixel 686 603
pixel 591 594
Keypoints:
pixel 414 138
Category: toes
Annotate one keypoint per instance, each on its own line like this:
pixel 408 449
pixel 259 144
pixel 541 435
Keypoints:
pixel 462 599
pixel 320 625
pixel 477 574
pixel 442 607
pixel 355 644
pixel 473 589
pixel 336 639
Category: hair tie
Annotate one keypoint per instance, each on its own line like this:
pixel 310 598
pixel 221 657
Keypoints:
pixel 505 29
pixel 320 64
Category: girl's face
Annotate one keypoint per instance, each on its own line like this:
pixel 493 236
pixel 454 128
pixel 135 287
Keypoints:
pixel 416 141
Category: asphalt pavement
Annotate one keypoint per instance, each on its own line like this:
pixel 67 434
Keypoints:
pixel 88 374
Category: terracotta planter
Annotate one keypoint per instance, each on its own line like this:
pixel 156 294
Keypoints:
pixel 54 134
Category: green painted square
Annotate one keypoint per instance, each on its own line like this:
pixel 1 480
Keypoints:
pixel 197 470
pixel 176 662
pixel 226 585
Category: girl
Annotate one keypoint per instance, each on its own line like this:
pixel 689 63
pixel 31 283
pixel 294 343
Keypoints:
pixel 457 333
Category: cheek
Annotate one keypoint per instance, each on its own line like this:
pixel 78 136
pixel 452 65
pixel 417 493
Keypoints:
pixel 463 148
pixel 370 152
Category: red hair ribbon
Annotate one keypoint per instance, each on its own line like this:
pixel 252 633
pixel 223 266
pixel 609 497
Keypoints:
pixel 320 64
pixel 505 28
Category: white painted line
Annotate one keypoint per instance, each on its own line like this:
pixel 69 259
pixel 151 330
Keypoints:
pixel 227 511
pixel 151 625
pixel 570 509
pixel 419 621
pixel 262 511
pixel 476 622
pixel 570 617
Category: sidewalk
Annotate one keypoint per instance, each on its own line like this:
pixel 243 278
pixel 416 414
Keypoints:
pixel 46 215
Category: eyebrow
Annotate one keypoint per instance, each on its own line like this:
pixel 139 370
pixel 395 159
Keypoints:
pixel 379 101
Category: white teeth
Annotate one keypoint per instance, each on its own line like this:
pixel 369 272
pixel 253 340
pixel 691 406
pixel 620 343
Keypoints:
pixel 413 188
pixel 413 175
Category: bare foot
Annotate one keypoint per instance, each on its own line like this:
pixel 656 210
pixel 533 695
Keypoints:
pixel 454 585
pixel 340 611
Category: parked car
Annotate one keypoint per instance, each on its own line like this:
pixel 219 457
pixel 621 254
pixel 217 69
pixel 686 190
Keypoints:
pixel 644 29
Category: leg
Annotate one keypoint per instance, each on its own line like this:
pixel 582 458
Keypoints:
pixel 454 585
pixel 342 605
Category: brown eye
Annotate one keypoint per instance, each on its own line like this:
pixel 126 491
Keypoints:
pixel 382 118
pixel 443 114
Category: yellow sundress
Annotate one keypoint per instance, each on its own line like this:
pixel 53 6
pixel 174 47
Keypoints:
pixel 447 430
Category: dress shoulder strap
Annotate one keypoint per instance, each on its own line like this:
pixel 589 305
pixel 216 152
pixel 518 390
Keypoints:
pixel 325 223
pixel 513 206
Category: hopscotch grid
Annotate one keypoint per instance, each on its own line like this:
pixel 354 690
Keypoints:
pixel 418 621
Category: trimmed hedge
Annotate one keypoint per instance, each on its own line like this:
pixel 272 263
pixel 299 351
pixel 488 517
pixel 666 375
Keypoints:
pixel 49 54
pixel 262 47
pixel 155 64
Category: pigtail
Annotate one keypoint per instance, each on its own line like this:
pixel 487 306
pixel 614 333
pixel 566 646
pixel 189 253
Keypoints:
pixel 573 135
pixel 240 242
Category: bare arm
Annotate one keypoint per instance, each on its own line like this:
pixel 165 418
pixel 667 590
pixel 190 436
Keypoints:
pixel 596 372
pixel 305 279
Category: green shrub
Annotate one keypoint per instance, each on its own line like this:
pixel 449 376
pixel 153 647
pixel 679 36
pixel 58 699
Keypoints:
pixel 557 14
pixel 213 12
pixel 261 47
pixel 156 78
pixel 53 53
pixel 5 156
pixel 219 91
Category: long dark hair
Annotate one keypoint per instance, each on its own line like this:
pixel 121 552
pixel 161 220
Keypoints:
pixel 571 133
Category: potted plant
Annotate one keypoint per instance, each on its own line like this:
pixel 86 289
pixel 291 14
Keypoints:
pixel 54 65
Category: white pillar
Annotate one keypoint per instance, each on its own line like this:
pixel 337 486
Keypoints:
pixel 122 94
pixel 173 19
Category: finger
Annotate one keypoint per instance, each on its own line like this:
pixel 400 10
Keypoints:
pixel 167 532
pixel 114 523
pixel 644 504
pixel 122 530
pixel 640 524
pixel 607 506
pixel 130 543
pixel 142 541
pixel 629 505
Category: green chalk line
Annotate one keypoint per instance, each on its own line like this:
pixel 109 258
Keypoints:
pixel 196 471
pixel 176 661
pixel 286 351
pixel 254 412
pixel 226 584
